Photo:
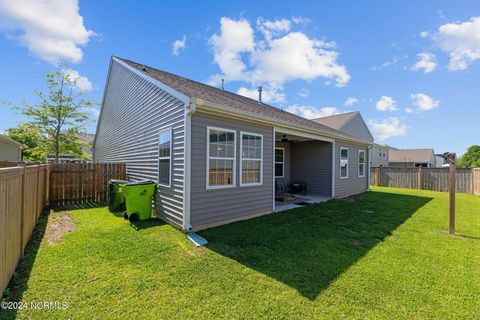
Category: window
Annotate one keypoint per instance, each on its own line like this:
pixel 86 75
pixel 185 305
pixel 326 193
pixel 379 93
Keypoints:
pixel 251 146
pixel 221 158
pixel 279 162
pixel 343 163
pixel 361 163
pixel 164 157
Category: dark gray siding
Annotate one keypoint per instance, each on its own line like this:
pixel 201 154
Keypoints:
pixel 286 170
pixel 133 113
pixel 213 206
pixel 353 184
pixel 312 163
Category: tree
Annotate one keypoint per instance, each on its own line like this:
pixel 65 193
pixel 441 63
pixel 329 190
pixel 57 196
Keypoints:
pixel 471 159
pixel 56 119
pixel 30 138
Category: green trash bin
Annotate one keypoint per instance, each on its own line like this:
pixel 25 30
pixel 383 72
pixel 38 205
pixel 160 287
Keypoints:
pixel 116 198
pixel 138 198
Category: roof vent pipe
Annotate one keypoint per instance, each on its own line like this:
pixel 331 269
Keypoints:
pixel 223 80
pixel 260 94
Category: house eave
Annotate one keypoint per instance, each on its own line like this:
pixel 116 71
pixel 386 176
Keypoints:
pixel 218 109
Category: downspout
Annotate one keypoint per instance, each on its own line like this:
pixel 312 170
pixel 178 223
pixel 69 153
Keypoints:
pixel 190 109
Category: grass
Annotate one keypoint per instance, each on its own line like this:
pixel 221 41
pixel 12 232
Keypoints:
pixel 382 254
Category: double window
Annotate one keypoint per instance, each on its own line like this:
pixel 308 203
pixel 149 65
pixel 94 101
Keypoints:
pixel 251 145
pixel 221 158
pixel 165 157
pixel 343 163
pixel 279 162
pixel 361 163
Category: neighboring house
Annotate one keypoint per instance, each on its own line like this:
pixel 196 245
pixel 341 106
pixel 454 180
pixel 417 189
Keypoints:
pixel 87 138
pixel 380 155
pixel 440 161
pixel 10 150
pixel 215 154
pixel 411 158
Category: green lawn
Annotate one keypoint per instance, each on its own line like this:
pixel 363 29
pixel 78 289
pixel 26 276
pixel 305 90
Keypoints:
pixel 382 254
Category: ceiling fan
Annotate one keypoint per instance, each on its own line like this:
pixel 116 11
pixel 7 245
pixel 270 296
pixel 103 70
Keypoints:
pixel 284 139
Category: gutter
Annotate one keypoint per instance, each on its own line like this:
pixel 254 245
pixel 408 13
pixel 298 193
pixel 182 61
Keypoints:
pixel 190 109
pixel 228 111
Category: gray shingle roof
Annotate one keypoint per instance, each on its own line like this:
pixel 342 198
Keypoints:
pixel 410 155
pixel 194 89
pixel 336 121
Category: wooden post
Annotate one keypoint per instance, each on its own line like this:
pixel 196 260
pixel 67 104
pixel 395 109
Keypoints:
pixel 452 157
pixel 22 218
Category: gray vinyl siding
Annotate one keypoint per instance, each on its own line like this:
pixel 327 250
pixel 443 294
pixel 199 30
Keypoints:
pixel 312 163
pixel 133 114
pixel 357 128
pixel 215 205
pixel 9 152
pixel 353 184
pixel 286 160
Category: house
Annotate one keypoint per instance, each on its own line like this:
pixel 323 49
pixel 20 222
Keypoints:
pixel 440 161
pixel 10 150
pixel 87 138
pixel 217 156
pixel 412 158
pixel 380 155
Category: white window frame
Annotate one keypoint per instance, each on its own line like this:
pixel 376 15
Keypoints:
pixel 234 168
pixel 340 162
pixel 364 162
pixel 169 185
pixel 242 158
pixel 283 161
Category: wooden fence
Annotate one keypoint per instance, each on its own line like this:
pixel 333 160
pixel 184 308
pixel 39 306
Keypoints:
pixel 23 195
pixel 77 183
pixel 435 179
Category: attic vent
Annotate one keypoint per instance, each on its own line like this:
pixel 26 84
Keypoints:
pixel 144 69
pixel 260 89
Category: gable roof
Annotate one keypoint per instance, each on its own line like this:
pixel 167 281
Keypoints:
pixel 10 141
pixel 336 121
pixel 201 91
pixel 411 155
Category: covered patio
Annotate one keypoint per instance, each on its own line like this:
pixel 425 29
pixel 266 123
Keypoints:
pixel 303 169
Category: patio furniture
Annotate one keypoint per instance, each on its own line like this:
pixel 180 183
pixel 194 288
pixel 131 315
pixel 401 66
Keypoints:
pixel 299 187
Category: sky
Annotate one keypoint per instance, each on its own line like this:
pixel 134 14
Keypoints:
pixel 412 68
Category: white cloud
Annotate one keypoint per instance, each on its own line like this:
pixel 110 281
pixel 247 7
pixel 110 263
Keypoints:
pixel 273 28
pixel 179 45
pixel 268 94
pixel 386 104
pixel 351 101
pixel 461 41
pixel 426 62
pixel 94 112
pixel 424 102
pixel 424 34
pixel 304 93
pixel 280 55
pixel 53 30
pixel 236 37
pixel 296 56
pixel 81 82
pixel 301 20
pixel 388 128
pixel 408 110
pixel 310 112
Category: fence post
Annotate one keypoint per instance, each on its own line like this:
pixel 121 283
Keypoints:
pixel 22 217
pixel 419 178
